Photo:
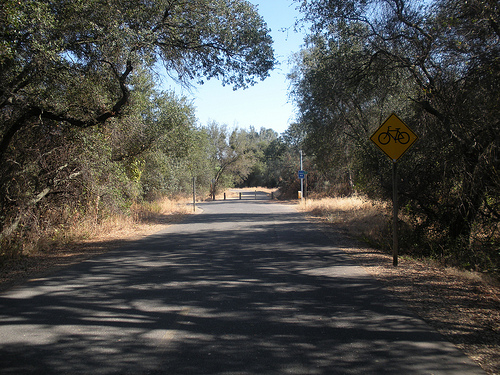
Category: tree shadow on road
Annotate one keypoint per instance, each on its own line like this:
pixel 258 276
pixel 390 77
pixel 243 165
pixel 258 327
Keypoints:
pixel 271 297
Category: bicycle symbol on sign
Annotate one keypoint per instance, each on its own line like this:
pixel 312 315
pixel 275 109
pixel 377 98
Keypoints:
pixel 398 136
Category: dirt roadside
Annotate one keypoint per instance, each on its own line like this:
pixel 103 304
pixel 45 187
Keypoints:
pixel 463 307
pixel 20 271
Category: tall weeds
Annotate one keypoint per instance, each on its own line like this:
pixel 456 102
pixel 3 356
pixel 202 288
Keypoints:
pixel 362 218
pixel 65 226
pixel 371 221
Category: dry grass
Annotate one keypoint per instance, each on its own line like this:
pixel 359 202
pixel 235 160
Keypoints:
pixel 464 306
pixel 83 237
pixel 162 210
pixel 145 217
pixel 360 217
pixel 142 216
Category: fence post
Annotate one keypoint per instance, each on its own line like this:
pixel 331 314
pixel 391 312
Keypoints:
pixel 194 194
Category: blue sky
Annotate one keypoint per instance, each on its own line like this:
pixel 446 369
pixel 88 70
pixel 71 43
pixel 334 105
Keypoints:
pixel 265 104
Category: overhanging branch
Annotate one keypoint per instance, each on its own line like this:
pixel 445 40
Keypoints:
pixel 38 112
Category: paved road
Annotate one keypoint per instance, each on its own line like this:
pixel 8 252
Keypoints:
pixel 246 287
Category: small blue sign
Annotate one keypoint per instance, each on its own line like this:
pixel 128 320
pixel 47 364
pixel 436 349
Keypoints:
pixel 302 174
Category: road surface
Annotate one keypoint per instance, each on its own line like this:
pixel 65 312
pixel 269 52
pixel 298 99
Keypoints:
pixel 246 287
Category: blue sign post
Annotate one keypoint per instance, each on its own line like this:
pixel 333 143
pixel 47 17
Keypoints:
pixel 302 174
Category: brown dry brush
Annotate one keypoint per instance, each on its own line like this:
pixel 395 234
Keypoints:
pixel 371 222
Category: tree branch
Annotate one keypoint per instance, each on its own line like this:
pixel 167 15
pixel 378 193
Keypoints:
pixel 36 111
pixel 22 213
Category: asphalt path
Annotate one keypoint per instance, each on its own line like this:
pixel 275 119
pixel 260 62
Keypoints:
pixel 245 287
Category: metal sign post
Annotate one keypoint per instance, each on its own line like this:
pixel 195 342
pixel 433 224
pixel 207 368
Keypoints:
pixel 394 138
pixel 194 194
pixel 395 208
pixel 301 178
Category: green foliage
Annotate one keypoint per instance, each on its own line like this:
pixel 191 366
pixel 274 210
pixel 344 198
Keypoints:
pixel 230 155
pixel 436 65
pixel 262 145
pixel 82 126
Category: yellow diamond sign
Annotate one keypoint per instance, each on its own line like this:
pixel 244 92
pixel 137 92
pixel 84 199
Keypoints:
pixel 394 137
